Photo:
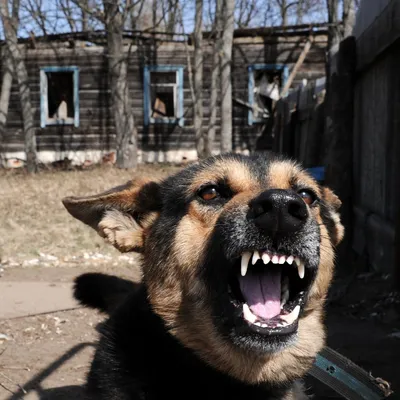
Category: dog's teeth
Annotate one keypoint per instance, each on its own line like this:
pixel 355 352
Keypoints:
pixel 245 262
pixel 256 257
pixel 297 260
pixel 258 324
pixel 290 318
pixel 275 259
pixel 266 258
pixel 248 315
pixel 264 325
pixel 290 260
pixel 282 259
pixel 301 269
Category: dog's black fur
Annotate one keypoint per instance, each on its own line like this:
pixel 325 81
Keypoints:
pixel 138 359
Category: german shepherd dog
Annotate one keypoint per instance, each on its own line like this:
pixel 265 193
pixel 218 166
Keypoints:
pixel 237 256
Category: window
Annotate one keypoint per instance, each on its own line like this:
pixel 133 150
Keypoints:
pixel 163 94
pixel 59 96
pixel 265 84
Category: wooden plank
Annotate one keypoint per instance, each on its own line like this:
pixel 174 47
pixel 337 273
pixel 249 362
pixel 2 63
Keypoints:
pixel 297 66
pixel 379 36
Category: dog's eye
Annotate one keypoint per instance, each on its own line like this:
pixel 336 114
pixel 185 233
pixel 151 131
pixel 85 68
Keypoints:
pixel 308 196
pixel 209 193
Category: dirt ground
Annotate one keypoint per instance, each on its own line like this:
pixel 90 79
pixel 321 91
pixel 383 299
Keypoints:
pixel 46 356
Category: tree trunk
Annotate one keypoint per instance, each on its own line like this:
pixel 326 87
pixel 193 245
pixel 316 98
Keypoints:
pixel 226 75
pixel 334 36
pixel 284 12
pixel 8 72
pixel 198 79
pixel 349 17
pixel 85 16
pixel 10 25
pixel 126 134
pixel 300 12
pixel 215 76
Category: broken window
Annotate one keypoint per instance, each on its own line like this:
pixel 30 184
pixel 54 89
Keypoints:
pixel 265 84
pixel 163 94
pixel 59 96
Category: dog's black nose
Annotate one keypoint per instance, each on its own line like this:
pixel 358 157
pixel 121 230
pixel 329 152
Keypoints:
pixel 279 210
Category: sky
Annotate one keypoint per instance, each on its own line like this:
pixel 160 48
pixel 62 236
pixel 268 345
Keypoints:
pixel 56 22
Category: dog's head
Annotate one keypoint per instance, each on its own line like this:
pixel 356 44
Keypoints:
pixel 238 254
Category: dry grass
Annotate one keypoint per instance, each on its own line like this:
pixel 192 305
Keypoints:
pixel 33 219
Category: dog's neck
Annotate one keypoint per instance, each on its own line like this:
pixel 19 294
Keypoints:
pixel 165 356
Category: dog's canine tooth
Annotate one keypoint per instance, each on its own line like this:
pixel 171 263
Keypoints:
pixel 282 259
pixel 248 315
pixel 245 262
pixel 290 260
pixel 301 269
pixel 256 257
pixel 275 259
pixel 290 318
pixel 266 258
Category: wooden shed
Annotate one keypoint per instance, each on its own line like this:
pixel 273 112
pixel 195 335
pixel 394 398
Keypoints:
pixel 70 92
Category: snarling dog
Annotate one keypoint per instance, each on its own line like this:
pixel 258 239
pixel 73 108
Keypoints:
pixel 237 257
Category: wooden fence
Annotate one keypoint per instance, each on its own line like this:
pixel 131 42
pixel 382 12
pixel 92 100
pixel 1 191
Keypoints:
pixel 354 134
pixel 299 124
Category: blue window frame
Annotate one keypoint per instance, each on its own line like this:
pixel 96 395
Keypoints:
pixel 279 70
pixel 59 96
pixel 163 94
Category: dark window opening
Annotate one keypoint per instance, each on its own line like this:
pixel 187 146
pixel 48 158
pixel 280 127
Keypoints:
pixel 60 95
pixel 267 84
pixel 163 103
pixel 163 94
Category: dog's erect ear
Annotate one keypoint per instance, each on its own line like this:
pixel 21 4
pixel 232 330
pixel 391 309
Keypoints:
pixel 331 199
pixel 331 215
pixel 121 215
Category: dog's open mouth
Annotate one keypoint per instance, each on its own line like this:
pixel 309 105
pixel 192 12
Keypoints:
pixel 270 289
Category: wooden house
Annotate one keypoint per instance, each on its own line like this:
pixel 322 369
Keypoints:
pixel 68 77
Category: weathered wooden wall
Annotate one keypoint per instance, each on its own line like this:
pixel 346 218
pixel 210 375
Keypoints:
pixel 96 130
pixel 376 163
pixel 299 124
pixel 370 163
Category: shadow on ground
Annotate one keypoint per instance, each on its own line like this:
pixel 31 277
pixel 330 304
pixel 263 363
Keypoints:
pixel 364 325
pixel 61 393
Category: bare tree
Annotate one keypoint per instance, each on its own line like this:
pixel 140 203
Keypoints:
pixel 215 77
pixel 228 23
pixel 198 79
pixel 67 10
pixel 6 83
pixel 349 16
pixel 85 15
pixel 333 19
pixel 246 11
pixel 10 27
pixel 126 133
pixel 283 10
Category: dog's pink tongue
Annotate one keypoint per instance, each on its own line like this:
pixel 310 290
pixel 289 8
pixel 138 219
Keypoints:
pixel 262 292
